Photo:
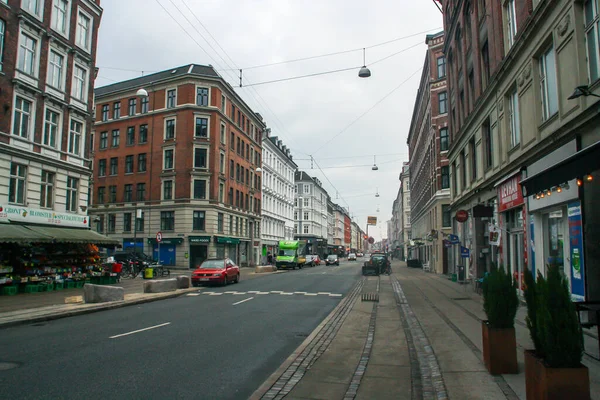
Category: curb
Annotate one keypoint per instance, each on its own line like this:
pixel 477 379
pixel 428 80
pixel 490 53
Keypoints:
pixel 103 307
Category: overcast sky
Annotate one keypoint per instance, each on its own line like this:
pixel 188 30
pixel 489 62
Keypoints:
pixel 311 115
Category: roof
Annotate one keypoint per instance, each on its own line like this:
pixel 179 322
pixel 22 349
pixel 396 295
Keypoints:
pixel 200 70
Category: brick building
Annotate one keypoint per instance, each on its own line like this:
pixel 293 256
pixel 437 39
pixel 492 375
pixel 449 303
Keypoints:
pixel 179 157
pixel 47 71
pixel 428 144
pixel 521 137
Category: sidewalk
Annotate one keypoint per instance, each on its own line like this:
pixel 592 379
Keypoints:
pixel 421 340
pixel 35 307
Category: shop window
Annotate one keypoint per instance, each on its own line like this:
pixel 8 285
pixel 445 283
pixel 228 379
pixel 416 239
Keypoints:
pixel 199 221
pixel 554 239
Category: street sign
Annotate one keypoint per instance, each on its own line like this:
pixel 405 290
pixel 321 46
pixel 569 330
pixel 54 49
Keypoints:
pixel 371 240
pixel 371 220
pixel 464 252
pixel 462 215
pixel 453 239
pixel 159 236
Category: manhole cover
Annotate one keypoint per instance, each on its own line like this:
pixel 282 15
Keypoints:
pixel 370 297
pixel 461 298
pixel 8 365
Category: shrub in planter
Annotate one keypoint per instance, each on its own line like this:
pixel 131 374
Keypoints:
pixel 500 303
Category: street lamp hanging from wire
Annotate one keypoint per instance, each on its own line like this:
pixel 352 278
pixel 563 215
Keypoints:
pixel 364 71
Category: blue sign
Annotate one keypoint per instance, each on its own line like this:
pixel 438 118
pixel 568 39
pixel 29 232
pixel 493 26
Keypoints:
pixel 576 249
pixel 532 246
pixel 453 239
pixel 464 252
pixel 447 243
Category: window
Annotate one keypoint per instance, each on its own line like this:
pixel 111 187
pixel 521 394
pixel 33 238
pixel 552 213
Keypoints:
pixel 168 159
pixel 444 140
pixel 83 31
pixel 130 136
pixel 306 202
pixel 237 198
pixel 306 215
pixel 454 186
pixel 445 177
pixel 127 222
pixel 2 28
pixel 50 128
pixel 75 134
pixel 139 223
pixel 305 228
pixel 548 84
pixel 222 163
pixel 232 141
pixel 167 220
pixel 592 36
pixel 115 138
pixel 223 134
pixel 443 102
pixel 114 166
pixel 105 112
pixel 231 224
pixel 221 192
pixel 485 63
pixel 441 67
pixel 101 195
pixel 72 187
pixel 247 177
pixel 239 142
pixel 112 194
pixel 16 190
pixel 142 162
pixel 22 123
pixel 306 188
pixel 446 216
pixel 47 190
pixel 295 215
pixel 103 140
pixel 117 110
pixel 220 222
pixel 511 22
pixel 200 158
pixel 168 190
pixel 223 103
pixel 140 192
pixel 55 70
pixel 487 142
pixel 59 16
pixel 199 221
pixel 202 97
pixel 79 85
pixel 201 127
pixel 143 133
pixel 144 105
pixel 129 164
pixel 128 193
pixel 514 120
pixel 463 170
pixel 132 106
pixel 170 129
pixel 473 151
pixel 230 196
pixel 27 53
pixel 237 172
pixel 102 167
pixel 100 226
pixel 231 169
pixel 171 98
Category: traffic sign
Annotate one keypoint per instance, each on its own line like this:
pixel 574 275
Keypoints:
pixel 462 215
pixel 159 236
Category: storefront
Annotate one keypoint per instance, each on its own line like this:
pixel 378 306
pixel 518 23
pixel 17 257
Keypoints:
pixel 165 251
pixel 198 250
pixel 133 244
pixel 227 247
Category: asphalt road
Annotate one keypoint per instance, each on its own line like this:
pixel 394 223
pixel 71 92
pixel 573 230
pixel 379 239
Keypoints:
pixel 200 346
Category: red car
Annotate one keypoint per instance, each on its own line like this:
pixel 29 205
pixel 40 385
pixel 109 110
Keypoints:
pixel 221 271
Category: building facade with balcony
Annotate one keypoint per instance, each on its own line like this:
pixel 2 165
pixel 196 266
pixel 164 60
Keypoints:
pixel 178 157
pixel 310 213
pixel 278 168
pixel 429 168
pixel 408 246
pixel 520 140
pixel 47 73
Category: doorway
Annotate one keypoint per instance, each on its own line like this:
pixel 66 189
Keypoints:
pixel 197 255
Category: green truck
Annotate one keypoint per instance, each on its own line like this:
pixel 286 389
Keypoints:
pixel 291 254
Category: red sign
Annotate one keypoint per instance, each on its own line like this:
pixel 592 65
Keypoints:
pixel 509 194
pixel 462 215
pixel 371 240
pixel 159 237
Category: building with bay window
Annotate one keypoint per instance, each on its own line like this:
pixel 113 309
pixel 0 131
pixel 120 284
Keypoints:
pixel 310 213
pixel 176 152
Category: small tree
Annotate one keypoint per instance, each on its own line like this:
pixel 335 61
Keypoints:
pixel 558 331
pixel 531 300
pixel 500 300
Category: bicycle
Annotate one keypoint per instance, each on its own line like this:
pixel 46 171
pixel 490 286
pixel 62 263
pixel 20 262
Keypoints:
pixel 131 270
pixel 161 271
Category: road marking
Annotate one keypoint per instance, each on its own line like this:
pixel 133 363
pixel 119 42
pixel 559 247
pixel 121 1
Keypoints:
pixel 253 291
pixel 230 292
pixel 310 294
pixel 335 295
pixel 193 294
pixel 327 293
pixel 277 291
pixel 323 273
pixel 286 294
pixel 216 294
pixel 237 293
pixel 140 330
pixel 262 293
pixel 299 292
pixel 243 301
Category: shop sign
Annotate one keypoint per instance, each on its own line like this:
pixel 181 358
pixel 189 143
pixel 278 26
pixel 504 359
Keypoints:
pixel 371 220
pixel 495 234
pixel 453 239
pixel 38 216
pixel 199 239
pixel 464 252
pixel 509 194
pixel 174 241
pixel 447 243
pixel 227 240
pixel 576 248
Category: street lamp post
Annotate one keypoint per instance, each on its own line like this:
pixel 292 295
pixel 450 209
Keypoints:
pixel 144 93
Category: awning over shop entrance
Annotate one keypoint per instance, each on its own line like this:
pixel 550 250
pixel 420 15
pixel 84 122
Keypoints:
pixel 581 163
pixel 227 240
pixel 72 235
pixel 10 233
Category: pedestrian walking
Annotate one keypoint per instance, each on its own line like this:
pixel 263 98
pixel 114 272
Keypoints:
pixel 269 258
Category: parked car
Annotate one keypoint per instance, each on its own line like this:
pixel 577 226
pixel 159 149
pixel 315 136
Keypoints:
pixel 351 257
pixel 318 261
pixel 220 270
pixel 312 260
pixel 377 264
pixel 332 259
pixel 359 254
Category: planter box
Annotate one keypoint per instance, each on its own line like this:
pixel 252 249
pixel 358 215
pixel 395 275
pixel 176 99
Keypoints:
pixel 499 350
pixel 545 383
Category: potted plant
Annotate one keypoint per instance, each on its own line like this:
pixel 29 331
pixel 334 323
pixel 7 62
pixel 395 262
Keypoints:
pixel 500 303
pixel 554 370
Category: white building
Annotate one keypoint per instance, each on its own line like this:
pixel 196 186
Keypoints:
pixel 310 212
pixel 278 168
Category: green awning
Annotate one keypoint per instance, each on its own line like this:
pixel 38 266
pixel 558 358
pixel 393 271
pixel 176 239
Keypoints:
pixel 11 233
pixel 227 240
pixel 199 239
pixel 73 235
pixel 175 241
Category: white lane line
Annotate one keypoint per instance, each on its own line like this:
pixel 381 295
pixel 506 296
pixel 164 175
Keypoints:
pixel 299 292
pixel 237 293
pixel 310 294
pixel 335 295
pixel 287 294
pixel 193 294
pixel 243 301
pixel 230 292
pixel 216 294
pixel 253 291
pixel 323 273
pixel 262 293
pixel 140 330
pixel 276 291
pixel 327 293
pixel 207 292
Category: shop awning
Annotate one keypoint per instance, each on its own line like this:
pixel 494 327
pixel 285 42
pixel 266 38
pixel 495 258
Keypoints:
pixel 585 161
pixel 73 235
pixel 11 233
pixel 227 240
pixel 199 239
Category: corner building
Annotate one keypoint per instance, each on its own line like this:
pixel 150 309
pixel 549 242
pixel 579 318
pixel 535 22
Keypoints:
pixel 178 157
